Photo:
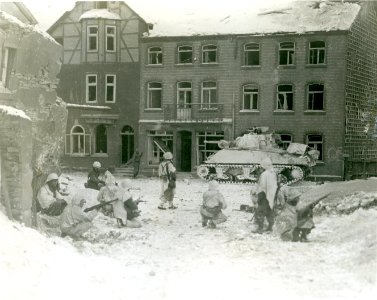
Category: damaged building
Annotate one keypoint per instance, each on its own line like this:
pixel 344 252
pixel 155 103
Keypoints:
pixel 33 119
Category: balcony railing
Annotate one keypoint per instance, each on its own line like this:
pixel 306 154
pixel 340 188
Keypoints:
pixel 195 112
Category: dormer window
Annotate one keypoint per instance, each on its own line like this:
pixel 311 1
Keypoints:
pixel 92 40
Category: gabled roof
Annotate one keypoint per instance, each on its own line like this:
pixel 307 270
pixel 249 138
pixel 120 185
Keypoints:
pixel 293 17
pixel 99 14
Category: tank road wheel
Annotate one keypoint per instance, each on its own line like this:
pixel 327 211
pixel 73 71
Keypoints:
pixel 296 174
pixel 202 172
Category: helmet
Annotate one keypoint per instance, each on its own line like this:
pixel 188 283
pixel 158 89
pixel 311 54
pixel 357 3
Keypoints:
pixel 52 176
pixel 293 195
pixel 97 164
pixel 266 163
pixel 168 155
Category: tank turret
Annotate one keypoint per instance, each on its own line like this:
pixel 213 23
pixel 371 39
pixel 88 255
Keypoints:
pixel 238 161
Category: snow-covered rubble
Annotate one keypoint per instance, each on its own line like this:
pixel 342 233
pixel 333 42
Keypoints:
pixel 172 257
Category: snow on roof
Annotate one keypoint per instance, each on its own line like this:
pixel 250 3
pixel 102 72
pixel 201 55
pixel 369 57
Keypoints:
pixel 11 111
pixel 27 28
pixel 293 17
pixel 99 14
pixel 87 106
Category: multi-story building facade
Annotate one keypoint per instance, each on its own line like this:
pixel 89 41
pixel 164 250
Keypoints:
pixel 305 73
pixel 99 80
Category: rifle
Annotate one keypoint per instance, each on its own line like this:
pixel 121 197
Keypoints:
pixel 312 204
pixel 97 206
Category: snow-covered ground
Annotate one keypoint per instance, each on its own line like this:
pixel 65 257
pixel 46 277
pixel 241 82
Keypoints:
pixel 173 257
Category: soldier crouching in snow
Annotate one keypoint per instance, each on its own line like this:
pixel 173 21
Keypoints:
pixel 213 203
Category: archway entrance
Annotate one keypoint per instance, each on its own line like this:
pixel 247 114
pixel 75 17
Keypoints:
pixel 127 136
pixel 186 144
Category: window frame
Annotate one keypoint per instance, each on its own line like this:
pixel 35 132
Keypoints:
pixel 149 98
pixel 179 52
pixel 156 54
pixel 87 87
pixel 317 51
pixel 246 53
pixel 79 136
pixel 111 35
pixel 315 143
pixel 89 35
pixel 309 93
pixel 185 91
pixel 284 92
pixel 107 84
pixel 206 55
pixel 289 51
pixel 244 94
pixel 209 90
pixel 285 143
pixel 155 153
pixel 208 137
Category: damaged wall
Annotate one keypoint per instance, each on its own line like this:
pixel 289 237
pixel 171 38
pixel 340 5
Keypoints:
pixel 30 87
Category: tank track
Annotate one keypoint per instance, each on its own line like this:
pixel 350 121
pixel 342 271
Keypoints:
pixel 248 174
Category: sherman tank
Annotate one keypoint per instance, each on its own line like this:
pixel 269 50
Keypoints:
pixel 239 161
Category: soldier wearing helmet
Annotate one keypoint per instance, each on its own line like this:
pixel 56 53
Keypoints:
pixel 49 199
pixel 167 175
pixel 93 177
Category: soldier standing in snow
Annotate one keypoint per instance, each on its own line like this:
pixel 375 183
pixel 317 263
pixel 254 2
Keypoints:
pixel 136 162
pixel 166 173
pixel 266 191
pixel 213 203
pixel 93 177
pixel 49 198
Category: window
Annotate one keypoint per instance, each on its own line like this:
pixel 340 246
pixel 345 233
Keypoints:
pixel 91 88
pixel 184 93
pixel 154 95
pixel 209 95
pixel 110 88
pixel 209 54
pixel 7 60
pixel 315 97
pixel 155 56
pixel 285 140
pixel 207 142
pixel 92 40
pixel 110 38
pixel 286 53
pixel 185 55
pixel 77 142
pixel 285 97
pixel 251 54
pixel 250 97
pixel 315 141
pixel 101 139
pixel 316 53
pixel 159 142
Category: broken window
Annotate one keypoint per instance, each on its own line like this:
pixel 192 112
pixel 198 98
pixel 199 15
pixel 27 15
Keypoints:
pixel 101 139
pixel 284 97
pixel 285 140
pixel 251 54
pixel 91 88
pixel 110 38
pixel 155 56
pixel 92 38
pixel 316 53
pixel 184 92
pixel 207 143
pixel 286 53
pixel 209 95
pixel 315 141
pixel 185 55
pixel 315 97
pixel 209 54
pixel 110 88
pixel 250 97
pixel 8 56
pixel 159 142
pixel 154 95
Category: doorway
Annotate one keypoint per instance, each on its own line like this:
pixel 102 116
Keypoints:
pixel 186 144
pixel 127 136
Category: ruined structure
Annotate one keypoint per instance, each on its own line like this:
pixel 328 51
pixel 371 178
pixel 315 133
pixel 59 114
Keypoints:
pixel 32 118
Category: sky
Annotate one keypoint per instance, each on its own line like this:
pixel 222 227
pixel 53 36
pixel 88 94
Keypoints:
pixel 48 11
